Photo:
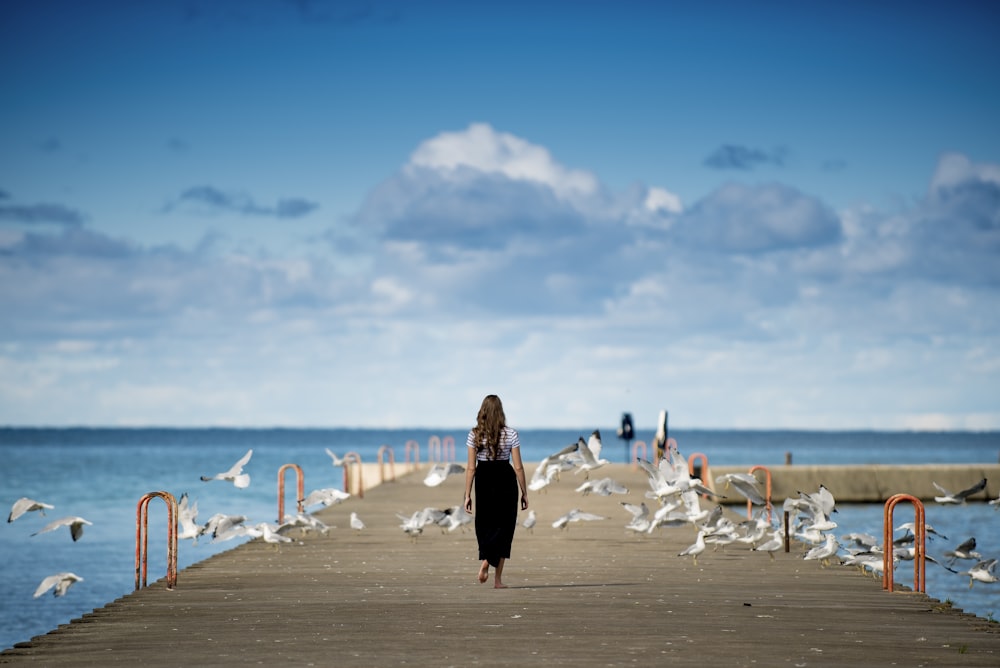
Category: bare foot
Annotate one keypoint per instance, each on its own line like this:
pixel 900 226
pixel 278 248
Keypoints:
pixel 499 585
pixel 484 573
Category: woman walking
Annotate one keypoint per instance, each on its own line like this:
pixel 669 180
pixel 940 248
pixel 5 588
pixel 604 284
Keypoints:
pixel 494 452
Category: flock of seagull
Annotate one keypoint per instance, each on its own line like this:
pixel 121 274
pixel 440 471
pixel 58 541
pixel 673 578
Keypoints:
pixel 673 492
pixel 219 527
pixel 676 496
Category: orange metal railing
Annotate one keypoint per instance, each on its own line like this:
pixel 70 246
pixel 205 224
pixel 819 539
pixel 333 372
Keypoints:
pixel 300 487
pixel 434 449
pixel 350 459
pixel 142 538
pixel 448 448
pixel 636 447
pixel 706 477
pixel 415 448
pixel 381 463
pixel 767 492
pixel 919 543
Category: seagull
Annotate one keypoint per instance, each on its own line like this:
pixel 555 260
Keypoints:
pixel 695 548
pixel 26 505
pixel 591 453
pixel 414 525
pixel 772 545
pixel 958 497
pixel 61 581
pixel 328 496
pixel 859 542
pixel 965 550
pixel 186 515
pixel 75 525
pixel 745 484
pixel 667 480
pixel 909 527
pixel 983 571
pixel 269 533
pixel 456 518
pixel 234 475
pixel 602 487
pixel 305 522
pixel 550 467
pixel 225 527
pixel 356 523
pixel 337 461
pixel 640 516
pixel 575 515
pixel 530 521
pixel 824 552
pixel 439 472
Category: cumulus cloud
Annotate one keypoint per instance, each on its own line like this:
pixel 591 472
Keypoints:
pixel 484 264
pixel 752 219
pixel 209 199
pixel 745 158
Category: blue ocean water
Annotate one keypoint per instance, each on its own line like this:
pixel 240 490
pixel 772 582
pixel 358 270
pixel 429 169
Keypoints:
pixel 100 474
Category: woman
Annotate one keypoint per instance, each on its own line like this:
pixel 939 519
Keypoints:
pixel 492 448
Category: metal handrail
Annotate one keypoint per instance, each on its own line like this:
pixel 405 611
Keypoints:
pixel 301 489
pixel 434 449
pixel 381 464
pixel 919 543
pixel 354 458
pixel 706 479
pixel 142 537
pixel 635 453
pixel 415 447
pixel 767 492
pixel 448 448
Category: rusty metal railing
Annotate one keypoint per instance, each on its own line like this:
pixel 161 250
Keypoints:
pixel 767 491
pixel 350 459
pixel 381 463
pixel 300 489
pixel 636 447
pixel 415 448
pixel 142 538
pixel 919 543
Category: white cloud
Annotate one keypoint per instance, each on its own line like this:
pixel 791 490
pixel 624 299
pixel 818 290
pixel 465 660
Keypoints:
pixel 483 265
pixel 480 148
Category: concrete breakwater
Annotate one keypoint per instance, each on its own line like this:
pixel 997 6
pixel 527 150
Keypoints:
pixel 870 483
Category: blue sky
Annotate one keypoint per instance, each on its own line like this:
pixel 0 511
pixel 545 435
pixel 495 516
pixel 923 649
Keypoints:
pixel 752 214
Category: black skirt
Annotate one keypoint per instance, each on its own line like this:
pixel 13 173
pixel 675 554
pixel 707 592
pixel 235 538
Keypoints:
pixel 496 509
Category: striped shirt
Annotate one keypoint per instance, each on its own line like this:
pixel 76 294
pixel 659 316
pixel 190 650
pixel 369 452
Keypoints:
pixel 508 441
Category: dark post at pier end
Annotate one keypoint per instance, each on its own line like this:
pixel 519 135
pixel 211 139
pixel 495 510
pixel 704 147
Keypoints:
pixel 626 432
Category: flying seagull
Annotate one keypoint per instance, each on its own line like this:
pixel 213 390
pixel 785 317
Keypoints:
pixel 26 505
pixel 439 472
pixel 75 525
pixel 958 497
pixel 234 475
pixel 328 496
pixel 61 581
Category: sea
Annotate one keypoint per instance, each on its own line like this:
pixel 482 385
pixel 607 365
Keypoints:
pixel 100 474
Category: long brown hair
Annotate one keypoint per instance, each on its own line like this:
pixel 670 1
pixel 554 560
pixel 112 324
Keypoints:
pixel 489 426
